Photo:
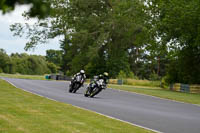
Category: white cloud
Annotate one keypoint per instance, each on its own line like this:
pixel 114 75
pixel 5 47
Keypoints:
pixel 16 15
pixel 15 44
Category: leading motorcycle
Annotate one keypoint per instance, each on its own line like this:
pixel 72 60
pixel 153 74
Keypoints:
pixel 75 84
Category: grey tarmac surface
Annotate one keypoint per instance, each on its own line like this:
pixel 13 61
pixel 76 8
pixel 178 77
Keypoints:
pixel 151 112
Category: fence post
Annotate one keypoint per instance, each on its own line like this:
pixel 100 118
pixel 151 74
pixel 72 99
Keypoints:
pixel 185 88
pixel 120 82
pixel 171 87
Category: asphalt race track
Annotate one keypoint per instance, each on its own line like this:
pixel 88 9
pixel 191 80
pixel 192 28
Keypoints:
pixel 150 112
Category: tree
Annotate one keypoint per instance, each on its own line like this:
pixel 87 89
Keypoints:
pixel 52 67
pixel 29 64
pixel 97 34
pixel 4 61
pixel 54 56
pixel 176 24
pixel 105 32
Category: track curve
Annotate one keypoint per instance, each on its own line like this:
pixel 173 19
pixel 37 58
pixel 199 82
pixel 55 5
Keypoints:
pixel 150 112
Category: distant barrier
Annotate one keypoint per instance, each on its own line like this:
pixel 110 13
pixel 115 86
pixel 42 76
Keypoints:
pixel 185 88
pixel 58 77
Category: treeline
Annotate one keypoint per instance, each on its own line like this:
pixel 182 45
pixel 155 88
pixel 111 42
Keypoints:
pixel 25 64
pixel 145 39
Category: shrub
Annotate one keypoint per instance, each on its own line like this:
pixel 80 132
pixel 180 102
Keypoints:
pixel 164 83
pixel 122 75
pixel 131 75
pixel 153 77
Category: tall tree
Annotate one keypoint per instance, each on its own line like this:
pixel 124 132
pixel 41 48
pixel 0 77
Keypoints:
pixel 176 24
pixel 54 56
pixel 4 61
pixel 98 35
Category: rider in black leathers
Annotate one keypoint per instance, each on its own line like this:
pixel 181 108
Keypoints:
pixel 83 77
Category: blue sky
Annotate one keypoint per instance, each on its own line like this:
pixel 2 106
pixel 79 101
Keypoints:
pixel 13 44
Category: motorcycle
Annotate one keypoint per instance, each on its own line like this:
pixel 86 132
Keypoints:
pixel 98 87
pixel 75 84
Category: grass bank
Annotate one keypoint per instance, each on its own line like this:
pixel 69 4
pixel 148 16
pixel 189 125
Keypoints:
pixel 21 111
pixel 162 93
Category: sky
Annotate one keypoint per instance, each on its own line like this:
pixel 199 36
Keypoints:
pixel 13 44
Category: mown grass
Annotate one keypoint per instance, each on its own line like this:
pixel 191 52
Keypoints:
pixel 23 112
pixel 36 77
pixel 162 93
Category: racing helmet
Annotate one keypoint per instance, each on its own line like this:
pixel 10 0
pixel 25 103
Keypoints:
pixel 82 72
pixel 105 74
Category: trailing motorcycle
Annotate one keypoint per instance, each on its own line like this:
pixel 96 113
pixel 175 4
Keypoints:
pixel 94 88
pixel 75 84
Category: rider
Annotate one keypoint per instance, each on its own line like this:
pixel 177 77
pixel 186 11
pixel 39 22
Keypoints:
pixel 83 77
pixel 105 77
pixel 93 84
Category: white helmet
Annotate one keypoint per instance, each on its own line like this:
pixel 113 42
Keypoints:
pixel 82 72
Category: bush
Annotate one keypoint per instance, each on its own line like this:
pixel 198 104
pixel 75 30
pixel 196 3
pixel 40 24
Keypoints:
pixel 122 75
pixel 132 76
pixel 164 83
pixel 1 71
pixel 52 67
pixel 153 77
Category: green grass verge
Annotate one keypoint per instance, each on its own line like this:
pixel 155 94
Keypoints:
pixel 162 93
pixel 21 111
pixel 137 82
pixel 36 77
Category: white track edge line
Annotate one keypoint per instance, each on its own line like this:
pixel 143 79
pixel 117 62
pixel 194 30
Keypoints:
pixel 88 110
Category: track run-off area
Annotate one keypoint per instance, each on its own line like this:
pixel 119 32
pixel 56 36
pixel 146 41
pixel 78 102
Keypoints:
pixel 152 113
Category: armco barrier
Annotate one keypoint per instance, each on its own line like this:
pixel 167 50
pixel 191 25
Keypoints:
pixel 59 77
pixel 195 89
pixel 120 82
pixel 185 88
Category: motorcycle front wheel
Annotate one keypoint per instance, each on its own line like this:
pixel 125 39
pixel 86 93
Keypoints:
pixel 70 88
pixel 87 92
pixel 95 92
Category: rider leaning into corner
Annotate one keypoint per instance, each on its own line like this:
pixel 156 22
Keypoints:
pixel 105 77
pixel 83 77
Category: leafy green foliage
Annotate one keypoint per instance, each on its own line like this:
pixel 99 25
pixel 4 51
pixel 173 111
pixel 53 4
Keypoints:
pixel 52 67
pixel 54 56
pixel 146 37
pixel 98 35
pixel 154 76
pixel 176 23
pixel 25 64
pixel 122 75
